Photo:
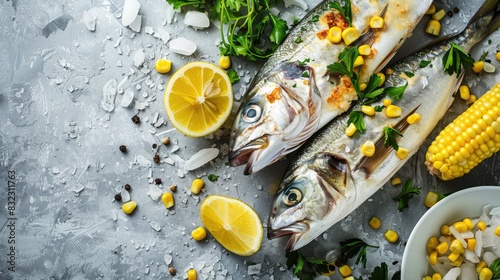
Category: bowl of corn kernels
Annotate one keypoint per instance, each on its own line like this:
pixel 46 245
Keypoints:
pixel 457 238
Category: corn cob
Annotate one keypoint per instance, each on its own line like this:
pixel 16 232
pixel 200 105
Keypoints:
pixel 469 139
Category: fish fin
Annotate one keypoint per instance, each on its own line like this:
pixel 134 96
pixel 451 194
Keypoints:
pixel 369 164
pixel 332 169
pixel 487 7
pixel 494 25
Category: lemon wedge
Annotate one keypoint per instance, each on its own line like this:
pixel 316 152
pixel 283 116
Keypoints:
pixel 233 223
pixel 198 98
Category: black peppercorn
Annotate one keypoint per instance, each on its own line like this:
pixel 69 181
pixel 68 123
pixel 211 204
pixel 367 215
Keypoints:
pixel 154 146
pixel 157 181
pixel 118 197
pixel 123 148
pixel 156 159
pixel 136 119
pixel 127 187
pixel 456 10
pixel 172 270
pixel 449 13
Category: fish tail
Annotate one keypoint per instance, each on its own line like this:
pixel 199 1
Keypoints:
pixel 485 21
pixel 487 7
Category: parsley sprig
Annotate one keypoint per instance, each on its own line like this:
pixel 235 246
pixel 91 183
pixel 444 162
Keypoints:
pixel 390 135
pixel 307 268
pixel 344 10
pixel 406 194
pixel 350 247
pixel 495 268
pixel 455 58
pixel 382 273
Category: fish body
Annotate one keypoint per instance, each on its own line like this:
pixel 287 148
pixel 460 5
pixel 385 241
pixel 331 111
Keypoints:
pixel 330 176
pixel 293 94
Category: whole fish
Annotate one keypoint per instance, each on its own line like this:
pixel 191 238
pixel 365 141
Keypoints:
pixel 331 177
pixel 293 94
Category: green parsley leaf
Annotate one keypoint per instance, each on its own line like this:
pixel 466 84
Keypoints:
pixel 345 67
pixel 409 74
pixel 305 74
pixel 424 63
pixel 406 194
pixel 345 10
pixel 306 268
pixel 396 92
pixel 455 58
pixel 212 177
pixel 298 40
pixel 379 108
pixel 483 56
pixel 380 272
pixel 178 4
pixel 304 62
pixel 350 247
pixel 356 117
pixel 390 135
pixel 495 268
pixel 315 18
pixel 233 76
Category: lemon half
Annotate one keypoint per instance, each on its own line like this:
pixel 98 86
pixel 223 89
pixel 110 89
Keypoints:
pixel 233 223
pixel 198 98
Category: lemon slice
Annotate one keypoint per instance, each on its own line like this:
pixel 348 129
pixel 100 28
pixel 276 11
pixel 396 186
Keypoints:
pixel 233 223
pixel 198 98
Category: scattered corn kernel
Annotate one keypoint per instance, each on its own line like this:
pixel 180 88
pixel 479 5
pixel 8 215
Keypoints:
pixel 481 225
pixel 395 181
pixel 168 199
pixel 358 61
pixel 197 185
pixel 362 86
pixel 402 153
pixel 427 278
pixel 433 257
pixel 387 102
pixel 460 226
pixel 414 118
pixel 334 35
pixel 393 111
pixel 445 230
pixel 350 35
pixel 472 99
pixel 163 66
pixel 457 247
pixel 350 130
pixel 375 223
pixel 488 67
pixel 439 15
pixel 442 248
pixel 368 110
pixel 464 92
pixel 382 78
pixel 436 276
pixel 376 22
pixel 497 56
pixel 199 233
pixel 471 244
pixel 433 27
pixel 453 256
pixel 458 261
pixel 469 223
pixel 431 198
pixel 432 244
pixel 478 66
pixel 225 62
pixel 391 236
pixel 364 50
pixel 485 274
pixel 497 231
pixel 350 278
pixel 368 148
pixel 431 10
pixel 191 274
pixel 345 270
pixel 480 266
pixel 129 207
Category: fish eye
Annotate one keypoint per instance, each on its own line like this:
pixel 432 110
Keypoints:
pixel 292 196
pixel 251 113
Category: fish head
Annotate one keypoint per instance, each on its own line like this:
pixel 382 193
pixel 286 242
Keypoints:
pixel 276 116
pixel 309 201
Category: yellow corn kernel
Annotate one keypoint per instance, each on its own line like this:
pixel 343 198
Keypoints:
pixel 225 62
pixel 364 50
pixel 395 181
pixel 481 225
pixel 431 198
pixel 445 230
pixel 433 27
pixel 497 56
pixel 460 226
pixel 197 185
pixel 480 266
pixel 368 110
pixel 478 66
pixel 433 257
pixel 199 233
pixel 350 130
pixel 431 10
pixel 439 15
pixel 471 244
pixel 387 102
pixel 469 223
pixel 427 278
pixel 432 244
pixel 497 231
pixel 349 35
pixel 163 66
pixel 334 35
pixel 382 79
pixel 437 276
pixel 375 223
pixel 168 199
pixel 345 270
pixel 442 248
pixel 458 261
pixel 485 274
pixel 453 256
pixel 391 236
pixel 393 111
pixel 457 247
pixel 472 99
pixel 350 278
pixel 414 118
pixel 191 274
pixel 464 92
pixel 129 207
pixel 368 148
pixel 402 153
pixel 376 22
pixel 358 61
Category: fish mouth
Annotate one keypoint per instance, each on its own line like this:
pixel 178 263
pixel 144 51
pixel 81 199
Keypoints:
pixel 242 155
pixel 296 231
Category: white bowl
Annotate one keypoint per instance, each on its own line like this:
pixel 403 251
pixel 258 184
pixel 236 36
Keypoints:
pixel 465 203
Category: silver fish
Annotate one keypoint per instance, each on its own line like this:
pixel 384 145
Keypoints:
pixel 331 177
pixel 289 101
